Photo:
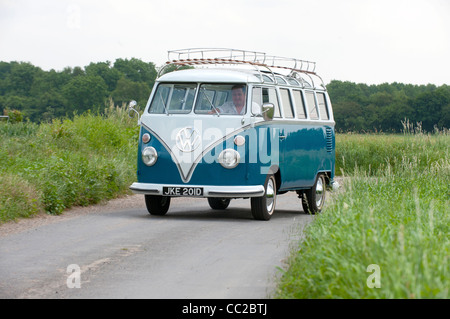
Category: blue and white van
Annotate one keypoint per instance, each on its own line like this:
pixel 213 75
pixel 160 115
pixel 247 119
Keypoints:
pixel 236 124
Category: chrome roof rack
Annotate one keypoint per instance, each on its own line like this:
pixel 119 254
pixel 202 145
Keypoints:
pixel 256 60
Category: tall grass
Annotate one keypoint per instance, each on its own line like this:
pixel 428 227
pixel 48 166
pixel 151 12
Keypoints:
pixel 79 161
pixel 392 212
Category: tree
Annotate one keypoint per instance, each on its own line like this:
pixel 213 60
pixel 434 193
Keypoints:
pixel 106 72
pixel 428 107
pixel 137 70
pixel 127 90
pixel 83 93
pixel 385 106
pixel 20 78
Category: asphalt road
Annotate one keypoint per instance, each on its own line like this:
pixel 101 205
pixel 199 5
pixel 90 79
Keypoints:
pixel 192 252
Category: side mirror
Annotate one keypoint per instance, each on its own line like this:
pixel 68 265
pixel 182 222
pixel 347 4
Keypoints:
pixel 268 111
pixel 132 109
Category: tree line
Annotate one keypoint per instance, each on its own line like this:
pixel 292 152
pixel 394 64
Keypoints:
pixel 40 96
pixel 374 108
pixel 43 95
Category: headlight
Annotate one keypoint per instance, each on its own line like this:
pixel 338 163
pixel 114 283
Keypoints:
pixel 145 138
pixel 229 158
pixel 239 140
pixel 149 156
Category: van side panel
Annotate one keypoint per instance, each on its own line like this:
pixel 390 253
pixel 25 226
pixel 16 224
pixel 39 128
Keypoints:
pixel 304 156
pixel 304 151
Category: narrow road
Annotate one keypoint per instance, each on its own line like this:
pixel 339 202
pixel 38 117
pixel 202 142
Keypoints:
pixel 123 252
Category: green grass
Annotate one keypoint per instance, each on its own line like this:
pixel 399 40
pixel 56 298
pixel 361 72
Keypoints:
pixel 79 161
pixel 392 211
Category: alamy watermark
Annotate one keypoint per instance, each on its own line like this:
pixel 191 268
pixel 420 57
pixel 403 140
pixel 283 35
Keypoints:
pixel 198 144
pixel 374 280
pixel 74 278
pixel 73 17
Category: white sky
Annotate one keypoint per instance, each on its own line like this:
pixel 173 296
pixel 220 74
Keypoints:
pixel 368 41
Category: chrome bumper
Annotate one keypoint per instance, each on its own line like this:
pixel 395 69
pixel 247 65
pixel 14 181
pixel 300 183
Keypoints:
pixel 208 191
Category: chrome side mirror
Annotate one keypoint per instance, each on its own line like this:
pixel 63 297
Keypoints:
pixel 132 109
pixel 268 111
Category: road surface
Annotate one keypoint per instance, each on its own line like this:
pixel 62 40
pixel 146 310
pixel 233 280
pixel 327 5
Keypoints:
pixel 124 252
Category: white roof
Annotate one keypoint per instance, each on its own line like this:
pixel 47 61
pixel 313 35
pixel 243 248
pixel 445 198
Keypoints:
pixel 211 75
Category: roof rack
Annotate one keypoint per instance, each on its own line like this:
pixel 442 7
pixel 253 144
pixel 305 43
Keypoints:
pixel 254 59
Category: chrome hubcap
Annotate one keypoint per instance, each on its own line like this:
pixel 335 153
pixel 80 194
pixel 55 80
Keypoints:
pixel 270 195
pixel 319 192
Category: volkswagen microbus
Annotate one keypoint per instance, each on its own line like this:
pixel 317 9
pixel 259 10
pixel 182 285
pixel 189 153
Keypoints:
pixel 233 124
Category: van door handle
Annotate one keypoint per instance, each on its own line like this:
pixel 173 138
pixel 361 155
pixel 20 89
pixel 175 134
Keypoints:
pixel 282 136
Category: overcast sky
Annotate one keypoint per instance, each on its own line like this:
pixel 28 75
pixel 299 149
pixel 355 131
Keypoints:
pixel 368 41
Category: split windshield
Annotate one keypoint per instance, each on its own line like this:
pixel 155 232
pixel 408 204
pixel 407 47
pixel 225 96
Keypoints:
pixel 212 99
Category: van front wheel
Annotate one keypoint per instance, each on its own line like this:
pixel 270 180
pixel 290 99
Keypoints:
pixel 157 205
pixel 264 206
pixel 218 203
pixel 314 198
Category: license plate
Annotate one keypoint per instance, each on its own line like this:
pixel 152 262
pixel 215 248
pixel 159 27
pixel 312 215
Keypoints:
pixel 183 191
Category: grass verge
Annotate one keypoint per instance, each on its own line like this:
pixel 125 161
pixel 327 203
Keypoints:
pixel 80 161
pixel 386 233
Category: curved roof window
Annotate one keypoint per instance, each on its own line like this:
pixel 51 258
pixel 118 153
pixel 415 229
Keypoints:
pixel 280 80
pixel 293 81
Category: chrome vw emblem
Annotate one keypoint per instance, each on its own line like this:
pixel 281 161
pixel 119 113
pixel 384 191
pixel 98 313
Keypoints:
pixel 187 139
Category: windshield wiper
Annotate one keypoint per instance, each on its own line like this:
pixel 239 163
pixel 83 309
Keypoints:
pixel 212 105
pixel 164 104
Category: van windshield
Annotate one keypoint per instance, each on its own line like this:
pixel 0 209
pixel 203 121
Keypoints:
pixel 221 98
pixel 178 98
pixel 173 98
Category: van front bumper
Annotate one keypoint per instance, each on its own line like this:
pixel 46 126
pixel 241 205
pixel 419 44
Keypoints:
pixel 207 191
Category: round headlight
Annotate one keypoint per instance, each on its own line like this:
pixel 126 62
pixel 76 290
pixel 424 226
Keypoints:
pixel 229 158
pixel 239 140
pixel 149 156
pixel 146 138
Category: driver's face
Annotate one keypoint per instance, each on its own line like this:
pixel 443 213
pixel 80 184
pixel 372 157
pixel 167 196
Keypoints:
pixel 238 97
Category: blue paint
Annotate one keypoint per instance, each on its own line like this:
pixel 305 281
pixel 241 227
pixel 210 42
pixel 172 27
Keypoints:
pixel 305 151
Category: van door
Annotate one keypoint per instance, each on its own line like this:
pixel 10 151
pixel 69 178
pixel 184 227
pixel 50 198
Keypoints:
pixel 291 167
pixel 269 148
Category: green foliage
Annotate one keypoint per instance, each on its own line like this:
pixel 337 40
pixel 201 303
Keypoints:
pixel 137 70
pixel 85 92
pixel 14 116
pixel 23 201
pixel 392 211
pixel 375 108
pixel 376 152
pixel 127 90
pixel 53 166
pixel 42 96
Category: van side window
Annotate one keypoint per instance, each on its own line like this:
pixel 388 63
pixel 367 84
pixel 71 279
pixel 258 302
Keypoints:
pixel 323 106
pixel 256 99
pixel 269 95
pixel 312 107
pixel 287 105
pixel 256 96
pixel 299 105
